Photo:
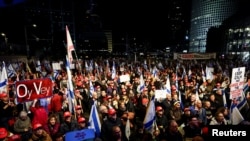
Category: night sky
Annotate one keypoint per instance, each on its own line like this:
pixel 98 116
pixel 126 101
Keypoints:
pixel 127 15
pixel 146 20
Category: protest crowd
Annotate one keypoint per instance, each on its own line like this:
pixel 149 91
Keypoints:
pixel 148 100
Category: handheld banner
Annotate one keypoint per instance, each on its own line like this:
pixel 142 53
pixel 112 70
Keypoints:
pixel 80 135
pixel 33 89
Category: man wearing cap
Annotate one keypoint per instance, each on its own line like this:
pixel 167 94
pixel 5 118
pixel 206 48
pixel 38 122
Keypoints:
pixel 69 123
pixel 81 123
pixel 161 119
pixel 6 110
pixel 3 134
pixel 176 112
pixel 78 111
pixel 39 134
pixel 107 125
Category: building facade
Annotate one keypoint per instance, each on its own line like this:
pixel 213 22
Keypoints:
pixel 206 14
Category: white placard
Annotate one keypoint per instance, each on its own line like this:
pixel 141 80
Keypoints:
pixel 237 82
pixel 124 78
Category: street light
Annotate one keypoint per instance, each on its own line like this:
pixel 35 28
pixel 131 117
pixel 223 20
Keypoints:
pixel 26 38
pixel 5 38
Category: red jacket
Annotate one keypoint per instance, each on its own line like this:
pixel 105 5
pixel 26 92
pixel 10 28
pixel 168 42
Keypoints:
pixel 40 115
pixel 56 103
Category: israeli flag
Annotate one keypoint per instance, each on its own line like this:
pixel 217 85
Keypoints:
pixel 168 88
pixel 150 116
pixel 113 71
pixel 91 88
pixel 3 79
pixel 94 120
pixel 70 94
pixel 235 115
pixel 142 84
pixel 10 71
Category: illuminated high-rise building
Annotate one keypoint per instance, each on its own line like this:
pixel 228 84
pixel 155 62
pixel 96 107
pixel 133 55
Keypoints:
pixel 206 14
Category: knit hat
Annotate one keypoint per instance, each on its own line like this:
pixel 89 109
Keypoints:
pixel 23 114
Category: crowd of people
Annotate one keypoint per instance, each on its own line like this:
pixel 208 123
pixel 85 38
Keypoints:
pixel 181 115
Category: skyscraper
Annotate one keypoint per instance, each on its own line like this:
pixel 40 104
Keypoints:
pixel 206 14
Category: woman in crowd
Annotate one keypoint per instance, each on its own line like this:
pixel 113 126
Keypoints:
pixel 53 126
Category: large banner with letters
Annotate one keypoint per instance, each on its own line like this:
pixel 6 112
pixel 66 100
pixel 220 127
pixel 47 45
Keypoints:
pixel 29 90
pixel 192 56
pixel 237 82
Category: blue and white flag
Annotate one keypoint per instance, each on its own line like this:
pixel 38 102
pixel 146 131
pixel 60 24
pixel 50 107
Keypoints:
pixel 3 79
pixel 38 66
pixel 145 65
pixel 168 87
pixel 113 73
pixel 242 101
pixel 86 66
pixel 70 94
pixel 149 119
pixel 189 72
pixel 11 71
pixel 94 120
pixel 142 84
pixel 91 88
pixel 55 74
pixel 184 73
pixel 209 73
pixel 235 115
pixel 203 74
pixel 127 129
pixel 177 87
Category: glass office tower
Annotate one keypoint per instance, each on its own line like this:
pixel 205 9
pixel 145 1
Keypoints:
pixel 206 14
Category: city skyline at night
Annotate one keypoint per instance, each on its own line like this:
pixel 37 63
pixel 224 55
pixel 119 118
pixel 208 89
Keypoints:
pixel 144 25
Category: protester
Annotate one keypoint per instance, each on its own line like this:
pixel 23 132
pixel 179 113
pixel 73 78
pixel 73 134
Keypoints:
pixel 53 126
pixel 69 123
pixel 219 119
pixel 172 132
pixel 39 134
pixel 6 110
pixel 39 113
pixel 107 125
pixel 82 123
pixel 23 125
pixel 124 93
pixel 193 128
pixel 3 133
pixel 56 103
